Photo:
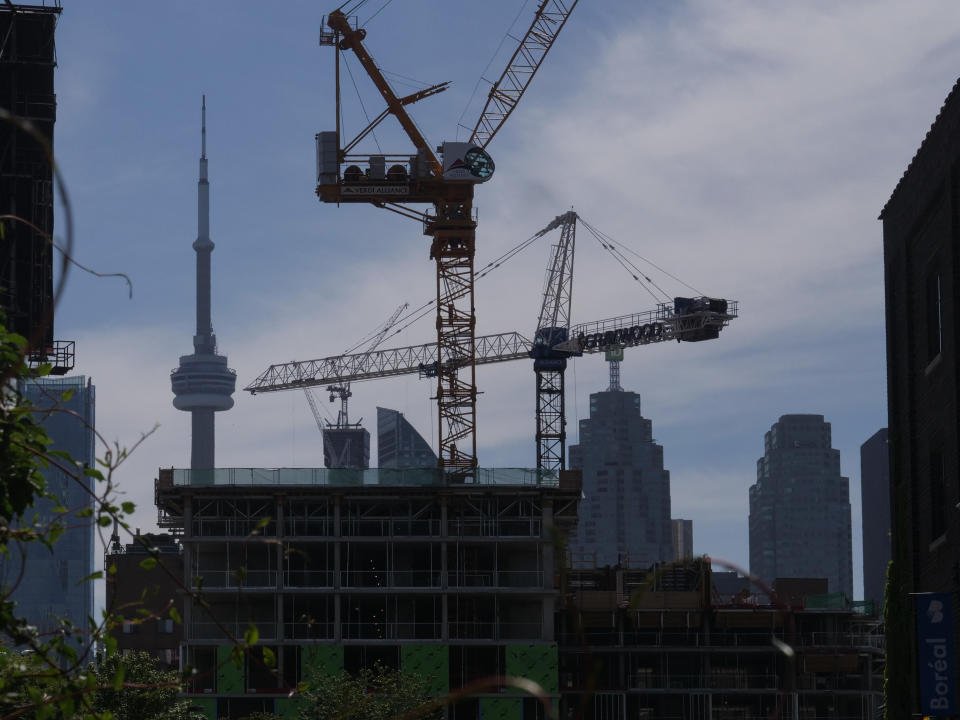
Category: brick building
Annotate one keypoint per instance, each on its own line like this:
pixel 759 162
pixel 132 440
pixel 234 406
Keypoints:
pixel 921 272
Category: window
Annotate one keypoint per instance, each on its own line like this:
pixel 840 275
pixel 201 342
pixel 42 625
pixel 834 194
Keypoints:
pixel 934 315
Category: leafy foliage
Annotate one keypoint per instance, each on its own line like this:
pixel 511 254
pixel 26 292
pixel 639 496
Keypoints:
pixel 49 676
pixel 23 442
pixel 898 671
pixel 132 687
pixel 377 693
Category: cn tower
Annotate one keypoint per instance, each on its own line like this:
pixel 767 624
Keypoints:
pixel 203 384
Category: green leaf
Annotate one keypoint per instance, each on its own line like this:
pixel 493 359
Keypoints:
pixel 128 507
pixel 175 615
pixel 98 575
pixel 269 657
pixel 104 521
pixel 148 563
pixel 66 395
pixel 118 677
pixel 251 635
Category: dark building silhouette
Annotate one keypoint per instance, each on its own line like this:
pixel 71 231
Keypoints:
pixel 800 506
pixel 346 447
pixel 27 61
pixel 399 445
pixel 143 596
pixel 875 511
pixel 625 512
pixel 921 260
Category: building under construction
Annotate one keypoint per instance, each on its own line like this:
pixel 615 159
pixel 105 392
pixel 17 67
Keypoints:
pixel 338 569
pixel 27 62
pixel 667 644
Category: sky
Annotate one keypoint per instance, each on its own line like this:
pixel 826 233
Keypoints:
pixel 746 147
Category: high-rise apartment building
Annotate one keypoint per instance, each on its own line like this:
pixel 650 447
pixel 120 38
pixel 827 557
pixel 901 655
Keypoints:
pixel 875 511
pixel 49 585
pixel 625 512
pixel 399 445
pixel 921 238
pixel 800 506
pixel 682 539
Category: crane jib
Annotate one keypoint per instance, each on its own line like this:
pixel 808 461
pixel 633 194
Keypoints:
pixel 633 335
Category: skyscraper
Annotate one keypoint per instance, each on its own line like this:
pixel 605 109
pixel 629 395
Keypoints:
pixel 875 511
pixel 399 445
pixel 625 512
pixel 203 384
pixel 682 539
pixel 800 506
pixel 48 585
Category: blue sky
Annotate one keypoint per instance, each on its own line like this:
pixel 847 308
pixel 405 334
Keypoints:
pixel 747 147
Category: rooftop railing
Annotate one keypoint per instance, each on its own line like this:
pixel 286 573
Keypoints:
pixel 336 477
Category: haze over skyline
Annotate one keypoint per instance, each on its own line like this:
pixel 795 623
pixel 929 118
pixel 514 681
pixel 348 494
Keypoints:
pixel 746 148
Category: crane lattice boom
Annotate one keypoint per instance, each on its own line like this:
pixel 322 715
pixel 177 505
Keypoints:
pixel 526 60
pixel 645 328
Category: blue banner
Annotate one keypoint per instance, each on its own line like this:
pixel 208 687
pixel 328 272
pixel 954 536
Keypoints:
pixel 936 656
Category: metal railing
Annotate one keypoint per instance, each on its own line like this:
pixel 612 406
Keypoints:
pixel 340 477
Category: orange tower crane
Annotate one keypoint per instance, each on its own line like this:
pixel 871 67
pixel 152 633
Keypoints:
pixel 446 183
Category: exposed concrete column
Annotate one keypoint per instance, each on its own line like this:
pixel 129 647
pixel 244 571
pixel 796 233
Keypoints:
pixel 549 559
pixel 444 583
pixel 278 567
pixel 549 554
pixel 337 596
pixel 187 574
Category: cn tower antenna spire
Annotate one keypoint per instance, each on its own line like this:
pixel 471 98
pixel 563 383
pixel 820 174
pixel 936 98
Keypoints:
pixel 203 384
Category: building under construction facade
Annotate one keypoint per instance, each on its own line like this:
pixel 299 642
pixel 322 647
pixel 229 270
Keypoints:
pixel 339 569
pixel 665 644
pixel 27 62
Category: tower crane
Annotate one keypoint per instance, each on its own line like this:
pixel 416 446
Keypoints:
pixel 555 340
pixel 446 183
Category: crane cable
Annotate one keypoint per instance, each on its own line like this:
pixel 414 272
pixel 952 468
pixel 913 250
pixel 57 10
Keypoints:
pixel 616 250
pixel 480 79
pixel 346 64
pixel 423 310
pixel 382 8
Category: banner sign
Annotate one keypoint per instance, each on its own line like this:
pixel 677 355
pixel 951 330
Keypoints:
pixel 375 189
pixel 635 335
pixel 936 655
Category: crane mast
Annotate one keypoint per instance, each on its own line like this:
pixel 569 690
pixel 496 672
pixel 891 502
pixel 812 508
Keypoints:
pixel 446 183
pixel 549 363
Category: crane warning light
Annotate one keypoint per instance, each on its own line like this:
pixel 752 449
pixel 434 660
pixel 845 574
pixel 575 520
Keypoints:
pixel 466 162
